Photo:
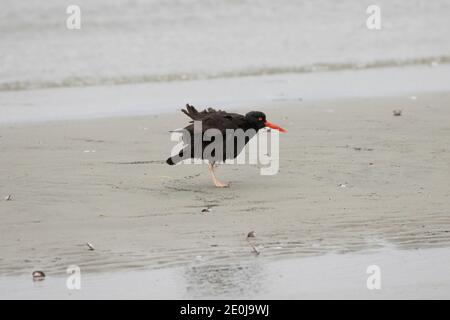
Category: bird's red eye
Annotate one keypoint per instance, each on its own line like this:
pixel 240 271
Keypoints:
pixel 260 119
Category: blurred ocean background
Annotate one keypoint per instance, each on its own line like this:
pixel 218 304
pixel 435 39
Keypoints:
pixel 136 41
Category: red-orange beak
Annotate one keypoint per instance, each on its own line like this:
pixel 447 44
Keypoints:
pixel 274 126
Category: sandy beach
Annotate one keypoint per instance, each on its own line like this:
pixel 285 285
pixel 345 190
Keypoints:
pixel 353 179
pixel 91 94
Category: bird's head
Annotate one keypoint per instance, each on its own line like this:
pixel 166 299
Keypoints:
pixel 257 120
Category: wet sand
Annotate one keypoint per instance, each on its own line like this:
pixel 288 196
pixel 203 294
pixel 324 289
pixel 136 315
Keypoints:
pixel 353 179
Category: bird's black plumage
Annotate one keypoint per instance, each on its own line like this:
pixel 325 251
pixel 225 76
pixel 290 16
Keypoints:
pixel 221 121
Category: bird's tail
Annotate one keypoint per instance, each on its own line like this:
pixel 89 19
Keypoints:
pixel 175 159
pixel 170 161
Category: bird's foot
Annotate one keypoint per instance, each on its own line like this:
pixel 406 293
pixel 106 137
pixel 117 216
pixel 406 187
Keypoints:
pixel 220 184
pixel 217 182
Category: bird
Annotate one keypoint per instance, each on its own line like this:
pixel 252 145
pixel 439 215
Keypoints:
pixel 222 121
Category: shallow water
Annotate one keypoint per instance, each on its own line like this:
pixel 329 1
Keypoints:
pixel 129 41
pixel 243 93
pixel 403 274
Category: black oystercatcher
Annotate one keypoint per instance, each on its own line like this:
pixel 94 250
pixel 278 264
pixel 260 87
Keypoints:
pixel 222 121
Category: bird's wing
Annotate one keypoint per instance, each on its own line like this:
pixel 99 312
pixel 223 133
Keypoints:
pixel 223 121
pixel 194 114
pixel 219 120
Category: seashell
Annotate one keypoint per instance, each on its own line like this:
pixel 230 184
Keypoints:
pixel 90 246
pixel 254 250
pixel 251 234
pixel 397 113
pixel 8 197
pixel 38 275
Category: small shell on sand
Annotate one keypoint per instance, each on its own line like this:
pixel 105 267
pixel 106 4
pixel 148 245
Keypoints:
pixel 397 113
pixel 254 250
pixel 8 197
pixel 38 275
pixel 251 234
pixel 90 246
pixel 206 210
